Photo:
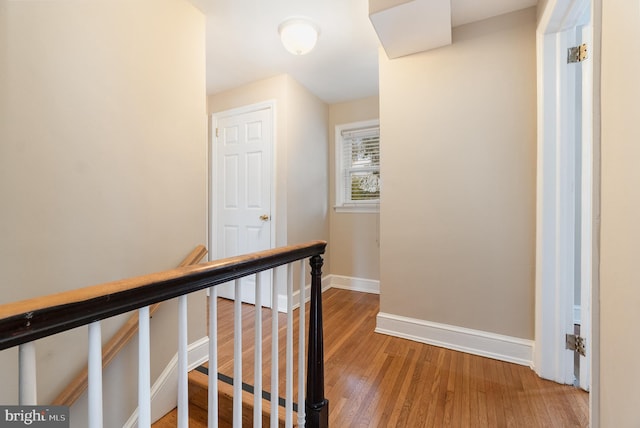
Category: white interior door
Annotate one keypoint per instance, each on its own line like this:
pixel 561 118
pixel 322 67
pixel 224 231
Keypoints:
pixel 241 191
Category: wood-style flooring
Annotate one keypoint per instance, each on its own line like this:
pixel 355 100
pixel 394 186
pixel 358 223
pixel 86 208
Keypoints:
pixel 375 380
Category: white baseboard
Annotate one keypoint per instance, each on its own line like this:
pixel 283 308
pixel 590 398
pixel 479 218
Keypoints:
pixel 355 284
pixel 485 344
pixel 164 391
pixel 332 281
pixel 282 298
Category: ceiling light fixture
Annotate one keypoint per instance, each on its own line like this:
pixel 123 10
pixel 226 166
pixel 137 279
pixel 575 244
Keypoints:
pixel 298 35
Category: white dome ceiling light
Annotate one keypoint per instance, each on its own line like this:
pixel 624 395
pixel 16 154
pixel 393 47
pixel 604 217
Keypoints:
pixel 298 35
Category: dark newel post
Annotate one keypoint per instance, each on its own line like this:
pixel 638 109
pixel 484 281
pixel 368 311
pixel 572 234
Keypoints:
pixel 317 407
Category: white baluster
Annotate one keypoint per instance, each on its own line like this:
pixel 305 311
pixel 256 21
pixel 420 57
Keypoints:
pixel 274 352
pixel 27 388
pixel 289 350
pixel 144 370
pixel 237 355
pixel 95 375
pixel 257 369
pixel 301 339
pixel 183 382
pixel 213 357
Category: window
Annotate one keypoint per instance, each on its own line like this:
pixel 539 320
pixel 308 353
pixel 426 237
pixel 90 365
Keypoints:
pixel 358 167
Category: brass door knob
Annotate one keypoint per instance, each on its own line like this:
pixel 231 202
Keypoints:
pixel 264 217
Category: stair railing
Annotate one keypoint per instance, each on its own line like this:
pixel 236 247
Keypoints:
pixel 118 341
pixel 23 322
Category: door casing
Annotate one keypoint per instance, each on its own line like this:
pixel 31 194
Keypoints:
pixel 555 233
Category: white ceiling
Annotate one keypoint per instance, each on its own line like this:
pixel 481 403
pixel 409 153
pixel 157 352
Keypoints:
pixel 243 43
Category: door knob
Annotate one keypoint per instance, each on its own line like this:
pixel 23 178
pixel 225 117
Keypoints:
pixel 264 217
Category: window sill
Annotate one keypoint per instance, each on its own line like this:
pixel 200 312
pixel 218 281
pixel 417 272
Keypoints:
pixel 364 209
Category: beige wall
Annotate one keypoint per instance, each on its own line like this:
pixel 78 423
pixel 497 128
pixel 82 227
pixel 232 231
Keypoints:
pixel 354 242
pixel 457 220
pixel 620 211
pixel 307 166
pixel 301 155
pixel 102 166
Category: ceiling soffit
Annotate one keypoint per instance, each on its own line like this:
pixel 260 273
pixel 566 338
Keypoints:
pixel 408 27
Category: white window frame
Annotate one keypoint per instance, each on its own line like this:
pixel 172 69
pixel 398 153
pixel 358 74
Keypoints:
pixel 352 206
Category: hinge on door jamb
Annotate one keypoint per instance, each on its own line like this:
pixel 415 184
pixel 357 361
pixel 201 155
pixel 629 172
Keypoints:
pixel 576 344
pixel 217 133
pixel 577 53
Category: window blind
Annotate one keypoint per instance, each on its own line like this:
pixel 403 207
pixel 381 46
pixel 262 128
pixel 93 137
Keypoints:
pixel 361 165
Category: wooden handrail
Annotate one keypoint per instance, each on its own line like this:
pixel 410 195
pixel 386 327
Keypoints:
pixel 80 382
pixel 29 320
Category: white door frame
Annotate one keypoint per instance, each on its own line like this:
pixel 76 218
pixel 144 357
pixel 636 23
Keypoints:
pixel 589 175
pixel 555 231
pixel 213 188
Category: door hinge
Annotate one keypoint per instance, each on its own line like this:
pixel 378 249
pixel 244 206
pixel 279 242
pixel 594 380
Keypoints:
pixel 217 129
pixel 577 53
pixel 576 344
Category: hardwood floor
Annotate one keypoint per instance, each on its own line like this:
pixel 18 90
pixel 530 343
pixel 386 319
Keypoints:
pixel 374 380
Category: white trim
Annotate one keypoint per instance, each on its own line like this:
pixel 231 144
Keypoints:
pixel 332 281
pixel 360 208
pixel 282 298
pixel 576 314
pixel 355 284
pixel 164 391
pixel 586 237
pixel 482 343
pixel 555 216
pixel 562 15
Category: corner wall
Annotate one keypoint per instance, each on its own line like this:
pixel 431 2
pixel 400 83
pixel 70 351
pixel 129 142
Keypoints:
pixel 458 147
pixel 102 168
pixel 307 166
pixel 620 211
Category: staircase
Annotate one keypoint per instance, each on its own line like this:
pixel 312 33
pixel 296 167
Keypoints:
pixel 23 323
pixel 198 406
